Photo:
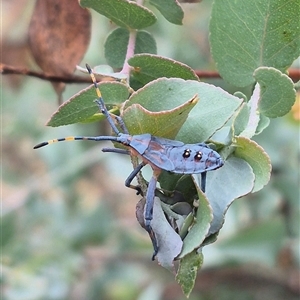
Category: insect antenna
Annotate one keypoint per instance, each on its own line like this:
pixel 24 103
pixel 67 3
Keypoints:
pixel 109 118
pixel 80 138
pixel 100 102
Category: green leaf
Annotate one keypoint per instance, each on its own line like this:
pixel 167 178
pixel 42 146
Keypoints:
pixel 248 34
pixel 187 272
pixel 81 106
pixel 127 14
pixel 234 180
pixel 168 240
pixel 145 43
pixel 116 44
pixel 149 67
pixel 263 123
pixel 170 9
pixel 199 229
pixel 257 158
pixel 163 124
pixel 277 93
pixel 241 120
pixel 212 111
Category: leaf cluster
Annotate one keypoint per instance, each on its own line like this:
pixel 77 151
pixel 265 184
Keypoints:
pixel 252 44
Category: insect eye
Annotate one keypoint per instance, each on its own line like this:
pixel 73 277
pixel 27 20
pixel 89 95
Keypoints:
pixel 198 156
pixel 186 153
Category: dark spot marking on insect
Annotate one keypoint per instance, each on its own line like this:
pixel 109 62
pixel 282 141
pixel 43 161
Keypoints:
pixel 186 153
pixel 198 156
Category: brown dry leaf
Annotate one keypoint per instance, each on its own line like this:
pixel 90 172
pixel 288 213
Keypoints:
pixel 59 35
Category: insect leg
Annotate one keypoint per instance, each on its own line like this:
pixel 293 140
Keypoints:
pixel 100 102
pixel 115 150
pixel 203 181
pixel 148 213
pixel 121 123
pixel 132 175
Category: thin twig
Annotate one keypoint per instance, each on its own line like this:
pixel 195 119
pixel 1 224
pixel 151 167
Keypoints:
pixel 294 74
pixel 6 69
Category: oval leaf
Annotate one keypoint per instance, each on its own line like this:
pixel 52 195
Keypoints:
pixel 277 93
pixel 246 35
pixel 149 67
pixel 127 14
pixel 81 106
pixel 170 9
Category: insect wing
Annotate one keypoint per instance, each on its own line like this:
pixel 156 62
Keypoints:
pixel 157 153
pixel 140 143
pixel 166 142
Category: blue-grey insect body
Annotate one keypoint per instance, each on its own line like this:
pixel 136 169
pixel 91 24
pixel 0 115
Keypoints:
pixel 180 158
pixel 159 153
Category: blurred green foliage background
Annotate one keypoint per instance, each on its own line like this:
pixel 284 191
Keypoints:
pixel 68 227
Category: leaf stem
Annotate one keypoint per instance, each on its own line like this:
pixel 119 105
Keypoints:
pixel 129 53
pixel 130 47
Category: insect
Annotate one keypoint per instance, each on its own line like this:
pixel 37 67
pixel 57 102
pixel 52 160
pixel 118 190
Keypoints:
pixel 160 153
